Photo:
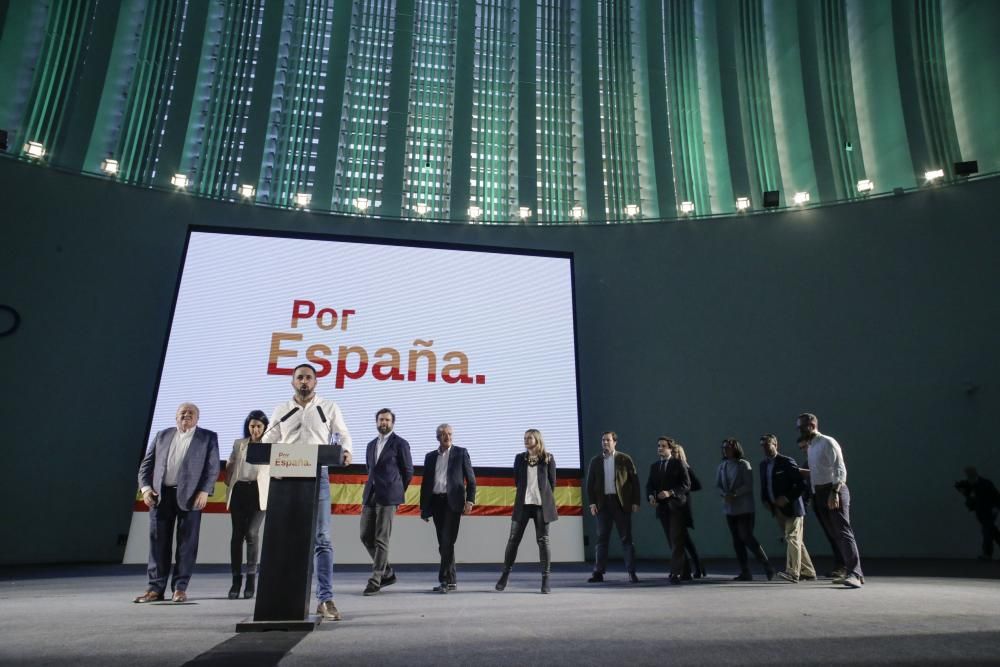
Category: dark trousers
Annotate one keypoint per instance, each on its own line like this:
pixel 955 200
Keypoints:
pixel 446 522
pixel 741 529
pixel 376 529
pixel 838 524
pixel 838 560
pixel 987 523
pixel 246 517
pixel 692 553
pixel 530 513
pixel 674 523
pixel 612 512
pixel 162 518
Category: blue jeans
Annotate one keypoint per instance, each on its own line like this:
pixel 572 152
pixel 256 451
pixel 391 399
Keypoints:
pixel 324 547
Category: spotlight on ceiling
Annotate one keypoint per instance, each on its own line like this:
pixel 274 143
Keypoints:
pixel 742 203
pixel 475 212
pixel 421 208
pixel 109 166
pixel 933 175
pixel 687 207
pixel 302 199
pixel 576 212
pixel 524 212
pixel 362 203
pixel 247 191
pixel 801 198
pixel 34 149
pixel 865 185
pixel 631 210
pixel 179 180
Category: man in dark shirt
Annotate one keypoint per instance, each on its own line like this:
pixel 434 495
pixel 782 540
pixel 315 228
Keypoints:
pixel 982 498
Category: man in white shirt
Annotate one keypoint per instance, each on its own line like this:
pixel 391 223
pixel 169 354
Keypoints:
pixel 311 420
pixel 831 497
pixel 176 477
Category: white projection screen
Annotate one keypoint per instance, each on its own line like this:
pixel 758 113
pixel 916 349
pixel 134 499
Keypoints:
pixel 482 340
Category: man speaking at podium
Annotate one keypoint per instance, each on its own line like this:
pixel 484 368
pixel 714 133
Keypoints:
pixel 310 420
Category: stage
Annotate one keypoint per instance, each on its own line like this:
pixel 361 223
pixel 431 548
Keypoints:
pixel 909 612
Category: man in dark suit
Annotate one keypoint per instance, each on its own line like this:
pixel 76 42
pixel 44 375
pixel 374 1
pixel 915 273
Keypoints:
pixel 176 477
pixel 982 498
pixel 667 488
pixel 448 491
pixel 781 489
pixel 613 490
pixel 390 470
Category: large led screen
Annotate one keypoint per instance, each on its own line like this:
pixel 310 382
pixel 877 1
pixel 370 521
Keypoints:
pixel 481 340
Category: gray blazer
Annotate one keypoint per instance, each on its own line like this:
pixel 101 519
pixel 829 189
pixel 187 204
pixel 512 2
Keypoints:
pixel 199 468
pixel 736 478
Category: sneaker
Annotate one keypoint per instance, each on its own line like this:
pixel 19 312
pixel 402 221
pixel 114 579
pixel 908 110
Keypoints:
pixel 440 588
pixel 789 577
pixel 595 578
pixel 388 581
pixel 328 611
pixel 853 581
pixel 808 577
pixel 371 589
pixel 838 573
pixel 452 587
pixel 632 578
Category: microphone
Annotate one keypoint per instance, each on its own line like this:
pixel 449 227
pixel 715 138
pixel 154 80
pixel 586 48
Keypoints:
pixel 320 410
pixel 280 421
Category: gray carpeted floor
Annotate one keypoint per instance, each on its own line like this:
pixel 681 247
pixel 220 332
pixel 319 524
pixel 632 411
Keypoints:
pixel 910 612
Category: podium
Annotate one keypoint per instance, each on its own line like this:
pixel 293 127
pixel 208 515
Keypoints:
pixel 284 588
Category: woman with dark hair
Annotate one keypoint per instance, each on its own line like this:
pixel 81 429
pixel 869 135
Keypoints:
pixel 677 451
pixel 734 480
pixel 534 500
pixel 246 500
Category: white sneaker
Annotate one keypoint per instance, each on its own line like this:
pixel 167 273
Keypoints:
pixel 852 581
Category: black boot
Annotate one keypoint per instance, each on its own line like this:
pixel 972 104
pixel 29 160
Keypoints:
pixel 251 586
pixel 502 583
pixel 234 591
pixel 545 558
pixel 545 584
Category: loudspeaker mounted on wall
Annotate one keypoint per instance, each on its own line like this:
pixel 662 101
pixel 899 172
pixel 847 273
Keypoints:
pixel 967 168
pixel 771 198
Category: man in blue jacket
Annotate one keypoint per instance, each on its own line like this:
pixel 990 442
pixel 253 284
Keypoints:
pixel 390 470
pixel 781 489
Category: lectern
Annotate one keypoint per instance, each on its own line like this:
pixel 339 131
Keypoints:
pixel 284 588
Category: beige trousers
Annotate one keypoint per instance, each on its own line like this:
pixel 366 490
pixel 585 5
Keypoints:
pixel 797 561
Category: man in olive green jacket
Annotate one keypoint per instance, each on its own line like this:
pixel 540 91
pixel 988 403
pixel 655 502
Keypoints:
pixel 613 492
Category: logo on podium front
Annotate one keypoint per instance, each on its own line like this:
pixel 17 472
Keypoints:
pixel 293 460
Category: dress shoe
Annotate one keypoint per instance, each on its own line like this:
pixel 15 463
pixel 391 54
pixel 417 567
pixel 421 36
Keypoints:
pixel 769 573
pixel 632 578
pixel 328 611
pixel 440 588
pixel 251 586
pixel 596 578
pixel 686 576
pixel 388 581
pixel 502 582
pixel 545 584
pixel 743 576
pixel 149 596
pixel 372 588
pixel 234 590
pixel 788 577
pixel 675 580
pixel 180 596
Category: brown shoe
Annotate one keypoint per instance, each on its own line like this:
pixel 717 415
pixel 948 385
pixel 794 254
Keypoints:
pixel 149 596
pixel 180 596
pixel 328 611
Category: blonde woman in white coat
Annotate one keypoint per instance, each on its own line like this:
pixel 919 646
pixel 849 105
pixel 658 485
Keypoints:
pixel 246 500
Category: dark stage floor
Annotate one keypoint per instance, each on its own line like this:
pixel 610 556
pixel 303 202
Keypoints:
pixel 910 612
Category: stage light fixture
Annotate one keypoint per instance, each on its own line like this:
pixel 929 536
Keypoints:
pixel 362 203
pixel 34 149
pixel 967 168
pixel 475 212
pixel 687 207
pixel 421 208
pixel 576 212
pixel 302 199
pixel 771 199
pixel 865 185
pixel 524 212
pixel 801 198
pixel 631 210
pixel 742 203
pixel 933 175
pixel 179 180
pixel 109 166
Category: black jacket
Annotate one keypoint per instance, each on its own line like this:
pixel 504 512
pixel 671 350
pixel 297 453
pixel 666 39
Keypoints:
pixel 546 487
pixel 671 477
